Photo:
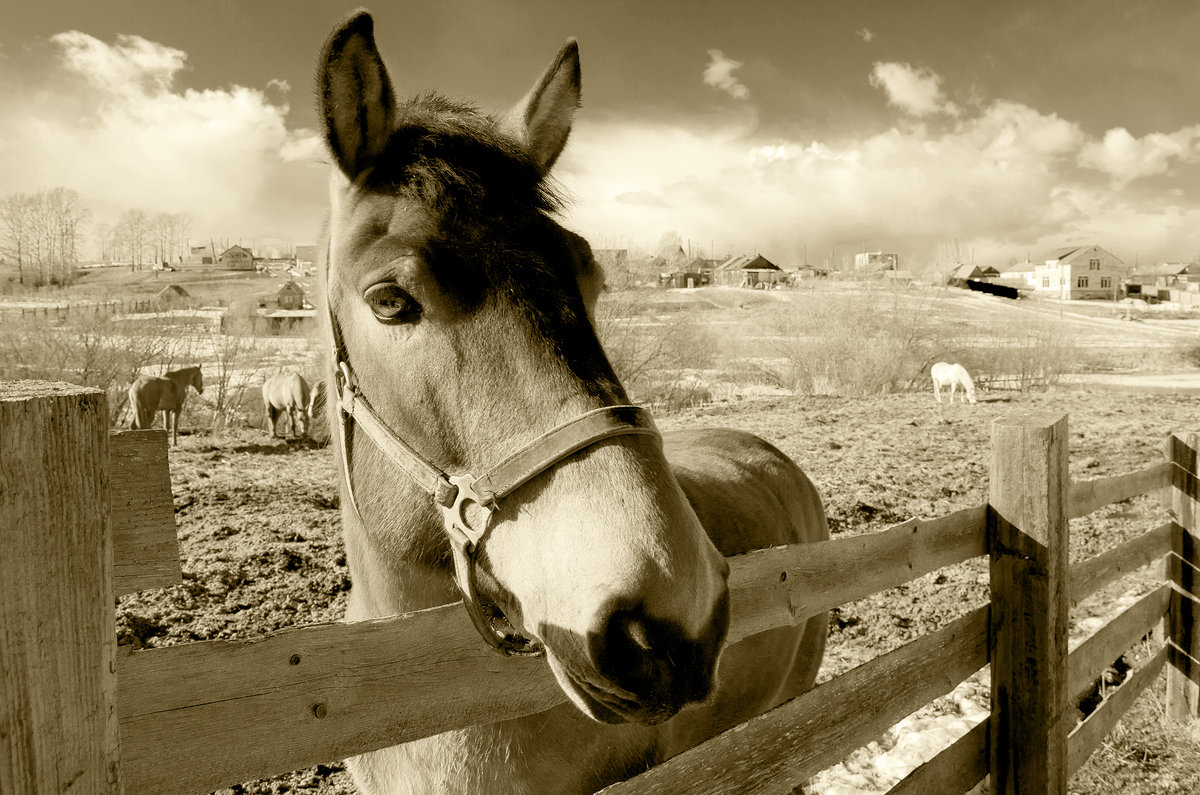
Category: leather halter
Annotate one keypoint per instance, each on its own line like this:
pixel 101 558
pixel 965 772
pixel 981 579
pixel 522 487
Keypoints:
pixel 455 494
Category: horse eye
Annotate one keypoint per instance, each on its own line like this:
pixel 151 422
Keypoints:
pixel 391 304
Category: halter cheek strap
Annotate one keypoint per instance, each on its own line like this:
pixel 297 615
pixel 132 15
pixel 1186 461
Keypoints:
pixel 468 502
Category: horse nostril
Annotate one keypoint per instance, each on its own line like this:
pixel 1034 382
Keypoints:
pixel 655 660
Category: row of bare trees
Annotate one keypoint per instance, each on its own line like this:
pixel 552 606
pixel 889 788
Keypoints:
pixel 139 238
pixel 41 233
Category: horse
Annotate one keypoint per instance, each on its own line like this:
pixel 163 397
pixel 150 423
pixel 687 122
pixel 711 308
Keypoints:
pixel 487 452
pixel 286 393
pixel 953 376
pixel 149 394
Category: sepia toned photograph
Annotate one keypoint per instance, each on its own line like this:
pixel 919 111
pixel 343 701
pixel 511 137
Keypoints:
pixel 552 398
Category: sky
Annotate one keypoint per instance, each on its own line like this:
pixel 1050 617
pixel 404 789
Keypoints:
pixel 805 131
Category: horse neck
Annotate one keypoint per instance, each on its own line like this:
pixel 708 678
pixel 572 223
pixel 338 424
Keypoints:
pixel 183 377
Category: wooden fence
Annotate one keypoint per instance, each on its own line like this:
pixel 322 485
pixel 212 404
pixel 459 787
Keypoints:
pixel 88 516
pixel 63 312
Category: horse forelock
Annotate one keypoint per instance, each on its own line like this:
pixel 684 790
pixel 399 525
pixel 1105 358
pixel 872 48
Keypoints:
pixel 459 160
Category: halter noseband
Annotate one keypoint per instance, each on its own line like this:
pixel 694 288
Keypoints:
pixel 455 494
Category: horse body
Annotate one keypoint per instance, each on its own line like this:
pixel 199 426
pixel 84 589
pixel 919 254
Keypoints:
pixel 461 310
pixel 953 376
pixel 286 393
pixel 149 394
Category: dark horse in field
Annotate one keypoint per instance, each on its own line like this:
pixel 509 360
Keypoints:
pixel 150 394
pixel 488 452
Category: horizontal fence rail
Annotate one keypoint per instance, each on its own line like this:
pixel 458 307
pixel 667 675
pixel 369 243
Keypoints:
pixel 233 710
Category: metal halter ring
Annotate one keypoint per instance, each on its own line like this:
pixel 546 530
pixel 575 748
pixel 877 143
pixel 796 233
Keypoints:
pixel 458 493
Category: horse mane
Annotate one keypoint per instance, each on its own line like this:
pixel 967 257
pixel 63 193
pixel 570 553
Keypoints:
pixel 965 377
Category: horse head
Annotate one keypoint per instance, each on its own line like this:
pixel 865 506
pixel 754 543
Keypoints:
pixel 198 380
pixel 462 308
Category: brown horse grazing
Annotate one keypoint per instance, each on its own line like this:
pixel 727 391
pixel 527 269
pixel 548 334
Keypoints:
pixel 151 393
pixel 460 337
pixel 286 393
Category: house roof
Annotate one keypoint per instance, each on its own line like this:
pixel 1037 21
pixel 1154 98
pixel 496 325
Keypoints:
pixel 965 271
pixel 1062 253
pixel 235 249
pixel 292 287
pixel 696 265
pixel 1162 269
pixel 747 262
pixel 174 289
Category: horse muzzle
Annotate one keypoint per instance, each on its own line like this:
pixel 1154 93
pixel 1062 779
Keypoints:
pixel 637 668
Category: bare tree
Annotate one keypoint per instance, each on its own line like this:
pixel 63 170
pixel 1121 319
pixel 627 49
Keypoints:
pixel 134 233
pixel 16 242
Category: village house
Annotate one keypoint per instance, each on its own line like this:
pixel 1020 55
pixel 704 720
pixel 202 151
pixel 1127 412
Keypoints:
pixel 964 273
pixel 236 258
pixel 749 271
pixel 1078 272
pixel 290 296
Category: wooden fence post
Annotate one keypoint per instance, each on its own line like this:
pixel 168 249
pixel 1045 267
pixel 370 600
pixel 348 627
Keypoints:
pixel 1027 540
pixel 58 719
pixel 1183 617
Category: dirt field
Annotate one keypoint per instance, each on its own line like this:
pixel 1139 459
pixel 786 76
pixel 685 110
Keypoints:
pixel 259 529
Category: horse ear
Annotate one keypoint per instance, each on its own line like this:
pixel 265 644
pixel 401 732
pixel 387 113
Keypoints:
pixel 543 118
pixel 355 95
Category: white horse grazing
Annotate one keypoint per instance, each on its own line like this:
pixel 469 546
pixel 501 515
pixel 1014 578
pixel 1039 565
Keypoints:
pixel 953 376
pixel 459 330
pixel 150 394
pixel 286 393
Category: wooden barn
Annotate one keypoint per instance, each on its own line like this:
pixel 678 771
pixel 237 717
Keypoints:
pixel 172 297
pixel 749 271
pixel 236 258
pixel 964 273
pixel 290 296
pixel 696 273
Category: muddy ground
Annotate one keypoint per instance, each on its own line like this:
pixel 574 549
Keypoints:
pixel 259 530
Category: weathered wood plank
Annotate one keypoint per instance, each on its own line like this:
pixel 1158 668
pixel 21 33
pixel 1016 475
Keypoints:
pixel 1089 734
pixel 1183 623
pixel 1089 659
pixel 145 544
pixel 1091 575
pixel 1090 495
pixel 781 748
pixel 196 692
pixel 958 768
pixel 1028 536
pixel 58 722
pixel 786 585
pixel 202 715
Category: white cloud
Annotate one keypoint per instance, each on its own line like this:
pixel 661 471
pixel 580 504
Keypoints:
pixel 121 132
pixel 917 92
pixel 133 66
pixel 719 74
pixel 865 34
pixel 1005 178
pixel 1126 158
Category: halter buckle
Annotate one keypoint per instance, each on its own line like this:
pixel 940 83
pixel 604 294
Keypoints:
pixel 462 490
